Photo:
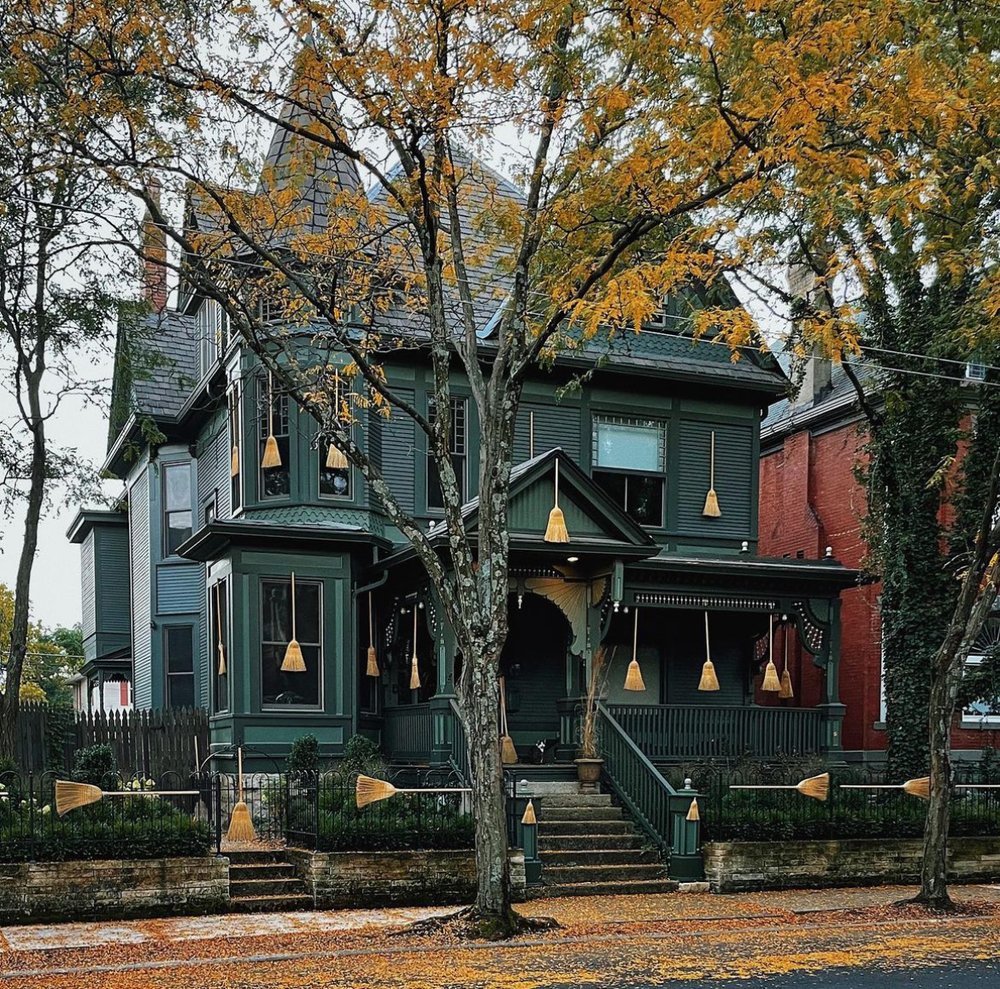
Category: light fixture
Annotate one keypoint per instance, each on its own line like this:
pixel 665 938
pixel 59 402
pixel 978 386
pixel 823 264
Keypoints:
pixel 572 559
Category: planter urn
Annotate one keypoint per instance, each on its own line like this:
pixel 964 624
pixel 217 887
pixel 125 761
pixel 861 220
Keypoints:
pixel 588 774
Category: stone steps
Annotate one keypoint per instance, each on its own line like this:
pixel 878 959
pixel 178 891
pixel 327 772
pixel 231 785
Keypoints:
pixel 287 886
pixel 262 881
pixel 637 888
pixel 270 904
pixel 552 859
pixel 590 842
pixel 618 873
pixel 577 800
pixel 591 815
pixel 547 827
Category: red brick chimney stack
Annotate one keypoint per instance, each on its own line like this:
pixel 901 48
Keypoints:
pixel 154 255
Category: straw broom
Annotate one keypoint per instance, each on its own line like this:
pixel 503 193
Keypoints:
pixel 508 751
pixel 414 669
pixel 70 795
pixel 555 531
pixel 920 787
pixel 272 455
pixel 711 509
pixel 293 661
pixel 786 693
pixel 816 787
pixel 370 790
pixel 335 458
pixel 529 817
pixel 240 823
pixel 771 682
pixel 693 814
pixel 633 677
pixel 218 627
pixel 372 669
pixel 709 681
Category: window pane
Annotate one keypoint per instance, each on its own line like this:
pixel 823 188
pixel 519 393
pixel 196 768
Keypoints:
pixel 180 690
pixel 177 486
pixel 645 499
pixel 219 597
pixel 298 688
pixel 629 445
pixel 333 481
pixel 180 649
pixel 277 623
pixel 178 530
pixel 613 484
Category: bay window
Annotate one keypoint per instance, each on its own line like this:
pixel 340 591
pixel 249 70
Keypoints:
pixel 293 689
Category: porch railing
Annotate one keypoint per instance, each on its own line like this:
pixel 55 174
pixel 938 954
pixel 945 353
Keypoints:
pixel 637 783
pixel 407 732
pixel 675 731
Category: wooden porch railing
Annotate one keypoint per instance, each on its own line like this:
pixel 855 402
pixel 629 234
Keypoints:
pixel 407 732
pixel 675 731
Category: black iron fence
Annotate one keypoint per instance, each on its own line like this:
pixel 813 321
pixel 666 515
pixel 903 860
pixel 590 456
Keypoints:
pixel 877 808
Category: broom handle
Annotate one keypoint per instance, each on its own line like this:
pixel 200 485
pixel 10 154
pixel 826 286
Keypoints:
pixel 371 632
pixel 150 793
pixel 556 499
pixel 635 634
pixel 293 605
pixel 770 639
pixel 435 789
pixel 711 469
pixel 503 703
pixel 531 435
pixel 872 786
pixel 758 786
pixel 708 654
pixel 270 405
pixel 414 657
pixel 239 759
pixel 786 648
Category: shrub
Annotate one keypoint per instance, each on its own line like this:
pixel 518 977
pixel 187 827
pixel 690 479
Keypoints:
pixel 94 764
pixel 304 755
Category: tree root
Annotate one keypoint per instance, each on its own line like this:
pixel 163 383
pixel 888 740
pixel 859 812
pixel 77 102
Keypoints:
pixel 469 924
pixel 937 904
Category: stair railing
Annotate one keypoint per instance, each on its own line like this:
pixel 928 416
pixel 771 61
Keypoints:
pixel 635 781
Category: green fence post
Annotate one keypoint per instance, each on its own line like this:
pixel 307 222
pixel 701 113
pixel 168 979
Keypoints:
pixel 686 863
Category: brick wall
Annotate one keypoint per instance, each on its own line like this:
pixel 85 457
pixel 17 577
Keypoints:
pixel 112 888
pixel 424 878
pixel 732 867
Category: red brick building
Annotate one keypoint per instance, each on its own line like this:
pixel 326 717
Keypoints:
pixel 810 505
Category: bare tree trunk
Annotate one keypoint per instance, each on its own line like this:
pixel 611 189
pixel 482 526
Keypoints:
pixel 934 868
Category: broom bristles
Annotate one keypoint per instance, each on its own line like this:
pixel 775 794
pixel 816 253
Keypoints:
pixel 222 660
pixel 920 787
pixel 369 791
pixel 708 681
pixel 771 682
pixel 293 661
pixel 69 795
pixel 693 813
pixel 234 462
pixel 555 531
pixel 335 459
pixel 372 670
pixel 711 509
pixel 817 787
pixel 633 677
pixel 786 693
pixel 529 814
pixel 241 824
pixel 272 456
pixel 508 751
pixel 414 675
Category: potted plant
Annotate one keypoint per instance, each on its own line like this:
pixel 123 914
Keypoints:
pixel 589 761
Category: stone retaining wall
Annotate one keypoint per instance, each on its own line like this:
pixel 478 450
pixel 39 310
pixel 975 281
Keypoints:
pixel 422 878
pixel 755 865
pixel 112 888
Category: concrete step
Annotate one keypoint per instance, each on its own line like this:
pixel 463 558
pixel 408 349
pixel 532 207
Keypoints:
pixel 585 842
pixel 636 888
pixel 578 828
pixel 271 870
pixel 270 904
pixel 603 873
pixel 291 886
pixel 596 856
pixel 588 814
pixel 577 800
pixel 262 857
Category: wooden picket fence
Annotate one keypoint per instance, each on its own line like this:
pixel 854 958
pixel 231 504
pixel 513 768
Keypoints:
pixel 150 743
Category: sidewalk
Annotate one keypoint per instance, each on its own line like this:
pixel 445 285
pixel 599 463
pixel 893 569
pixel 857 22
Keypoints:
pixel 576 914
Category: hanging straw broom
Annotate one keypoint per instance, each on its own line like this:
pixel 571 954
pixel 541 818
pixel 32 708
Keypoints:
pixel 272 455
pixel 709 681
pixel 529 814
pixel 335 458
pixel 414 669
pixel 70 795
pixel 370 791
pixel 771 682
pixel 920 787
pixel 293 661
pixel 220 648
pixel 633 677
pixel 372 669
pixel 240 823
pixel 508 751
pixel 693 813
pixel 555 531
pixel 711 509
pixel 234 461
pixel 786 693
pixel 816 787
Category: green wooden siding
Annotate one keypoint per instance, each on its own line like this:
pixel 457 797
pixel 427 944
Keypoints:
pixel 555 426
pixel 399 454
pixel 529 512
pixel 88 619
pixel 111 592
pixel 142 636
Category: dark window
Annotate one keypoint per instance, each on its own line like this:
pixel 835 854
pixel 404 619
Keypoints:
pixel 179 648
pixel 297 688
pixel 235 450
pixel 275 482
pixel 459 454
pixel 334 482
pixel 176 506
pixel 630 462
pixel 209 509
pixel 218 597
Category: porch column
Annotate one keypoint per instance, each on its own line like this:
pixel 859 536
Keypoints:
pixel 444 724
pixel 831 740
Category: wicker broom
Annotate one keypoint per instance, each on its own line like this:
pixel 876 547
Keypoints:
pixel 220 648
pixel 272 455
pixel 771 682
pixel 372 670
pixel 711 509
pixel 369 790
pixel 508 751
pixel 335 458
pixel 693 814
pixel 529 814
pixel 786 693
pixel 920 787
pixel 633 677
pixel 293 662
pixel 414 669
pixel 816 787
pixel 71 795
pixel 240 823
pixel 708 681
pixel 555 531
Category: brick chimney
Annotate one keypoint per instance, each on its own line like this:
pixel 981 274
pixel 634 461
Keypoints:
pixel 154 255
pixel 803 284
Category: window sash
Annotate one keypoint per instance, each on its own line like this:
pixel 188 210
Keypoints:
pixel 219 612
pixel 458 450
pixel 630 444
pixel 310 640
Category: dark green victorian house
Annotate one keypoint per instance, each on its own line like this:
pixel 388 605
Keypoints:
pixel 201 554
